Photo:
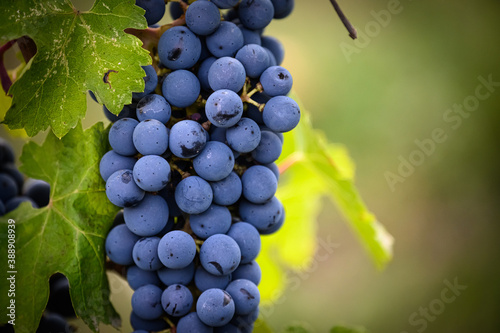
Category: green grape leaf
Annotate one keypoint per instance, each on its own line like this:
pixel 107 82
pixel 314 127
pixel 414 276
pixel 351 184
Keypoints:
pixel 331 164
pixel 67 236
pixel 76 51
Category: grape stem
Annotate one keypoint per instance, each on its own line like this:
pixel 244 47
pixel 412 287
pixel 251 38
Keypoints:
pixel 251 101
pixel 258 88
pixel 245 96
pixel 350 28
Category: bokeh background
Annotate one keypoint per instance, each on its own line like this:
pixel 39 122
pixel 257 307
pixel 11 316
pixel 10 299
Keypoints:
pixel 378 96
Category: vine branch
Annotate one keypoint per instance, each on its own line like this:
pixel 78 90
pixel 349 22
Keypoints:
pixel 350 28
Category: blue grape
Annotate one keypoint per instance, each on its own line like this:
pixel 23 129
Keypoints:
pixel 204 280
pixel 248 239
pixel 225 4
pixel 263 216
pixel 215 220
pixel 171 276
pixel 220 254
pixel 227 191
pixel 276 81
pixel 11 170
pixel 228 328
pixel 120 136
pixel 244 136
pixel 278 134
pixel 6 152
pixel 245 295
pixel 16 201
pixel 2 208
pixel 145 254
pixel 176 10
pixel 193 195
pixel 203 73
pixel 119 245
pixel 250 271
pixel 282 8
pixel 276 48
pixel 181 88
pixel 150 137
pixel 8 187
pixel 227 73
pixel 150 82
pixel 151 173
pixel 277 225
pixel 112 162
pixel 179 48
pixel 256 14
pixel 274 168
pixel 187 139
pixel 146 302
pixel 250 36
pixel 269 148
pixel 226 40
pixel 155 9
pixel 224 108
pixel 137 277
pixel 177 300
pixel 202 17
pixel 281 114
pixel 254 59
pixel 148 217
pixel 245 322
pixel 272 58
pixel 176 249
pixel 191 323
pixel 215 162
pixel 154 106
pixel 128 111
pixel 259 184
pixel 147 325
pixel 215 307
pixel 121 189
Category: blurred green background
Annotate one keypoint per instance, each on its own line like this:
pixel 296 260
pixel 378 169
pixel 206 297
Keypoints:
pixel 395 86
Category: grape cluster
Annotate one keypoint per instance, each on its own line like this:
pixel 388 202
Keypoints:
pixel 192 165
